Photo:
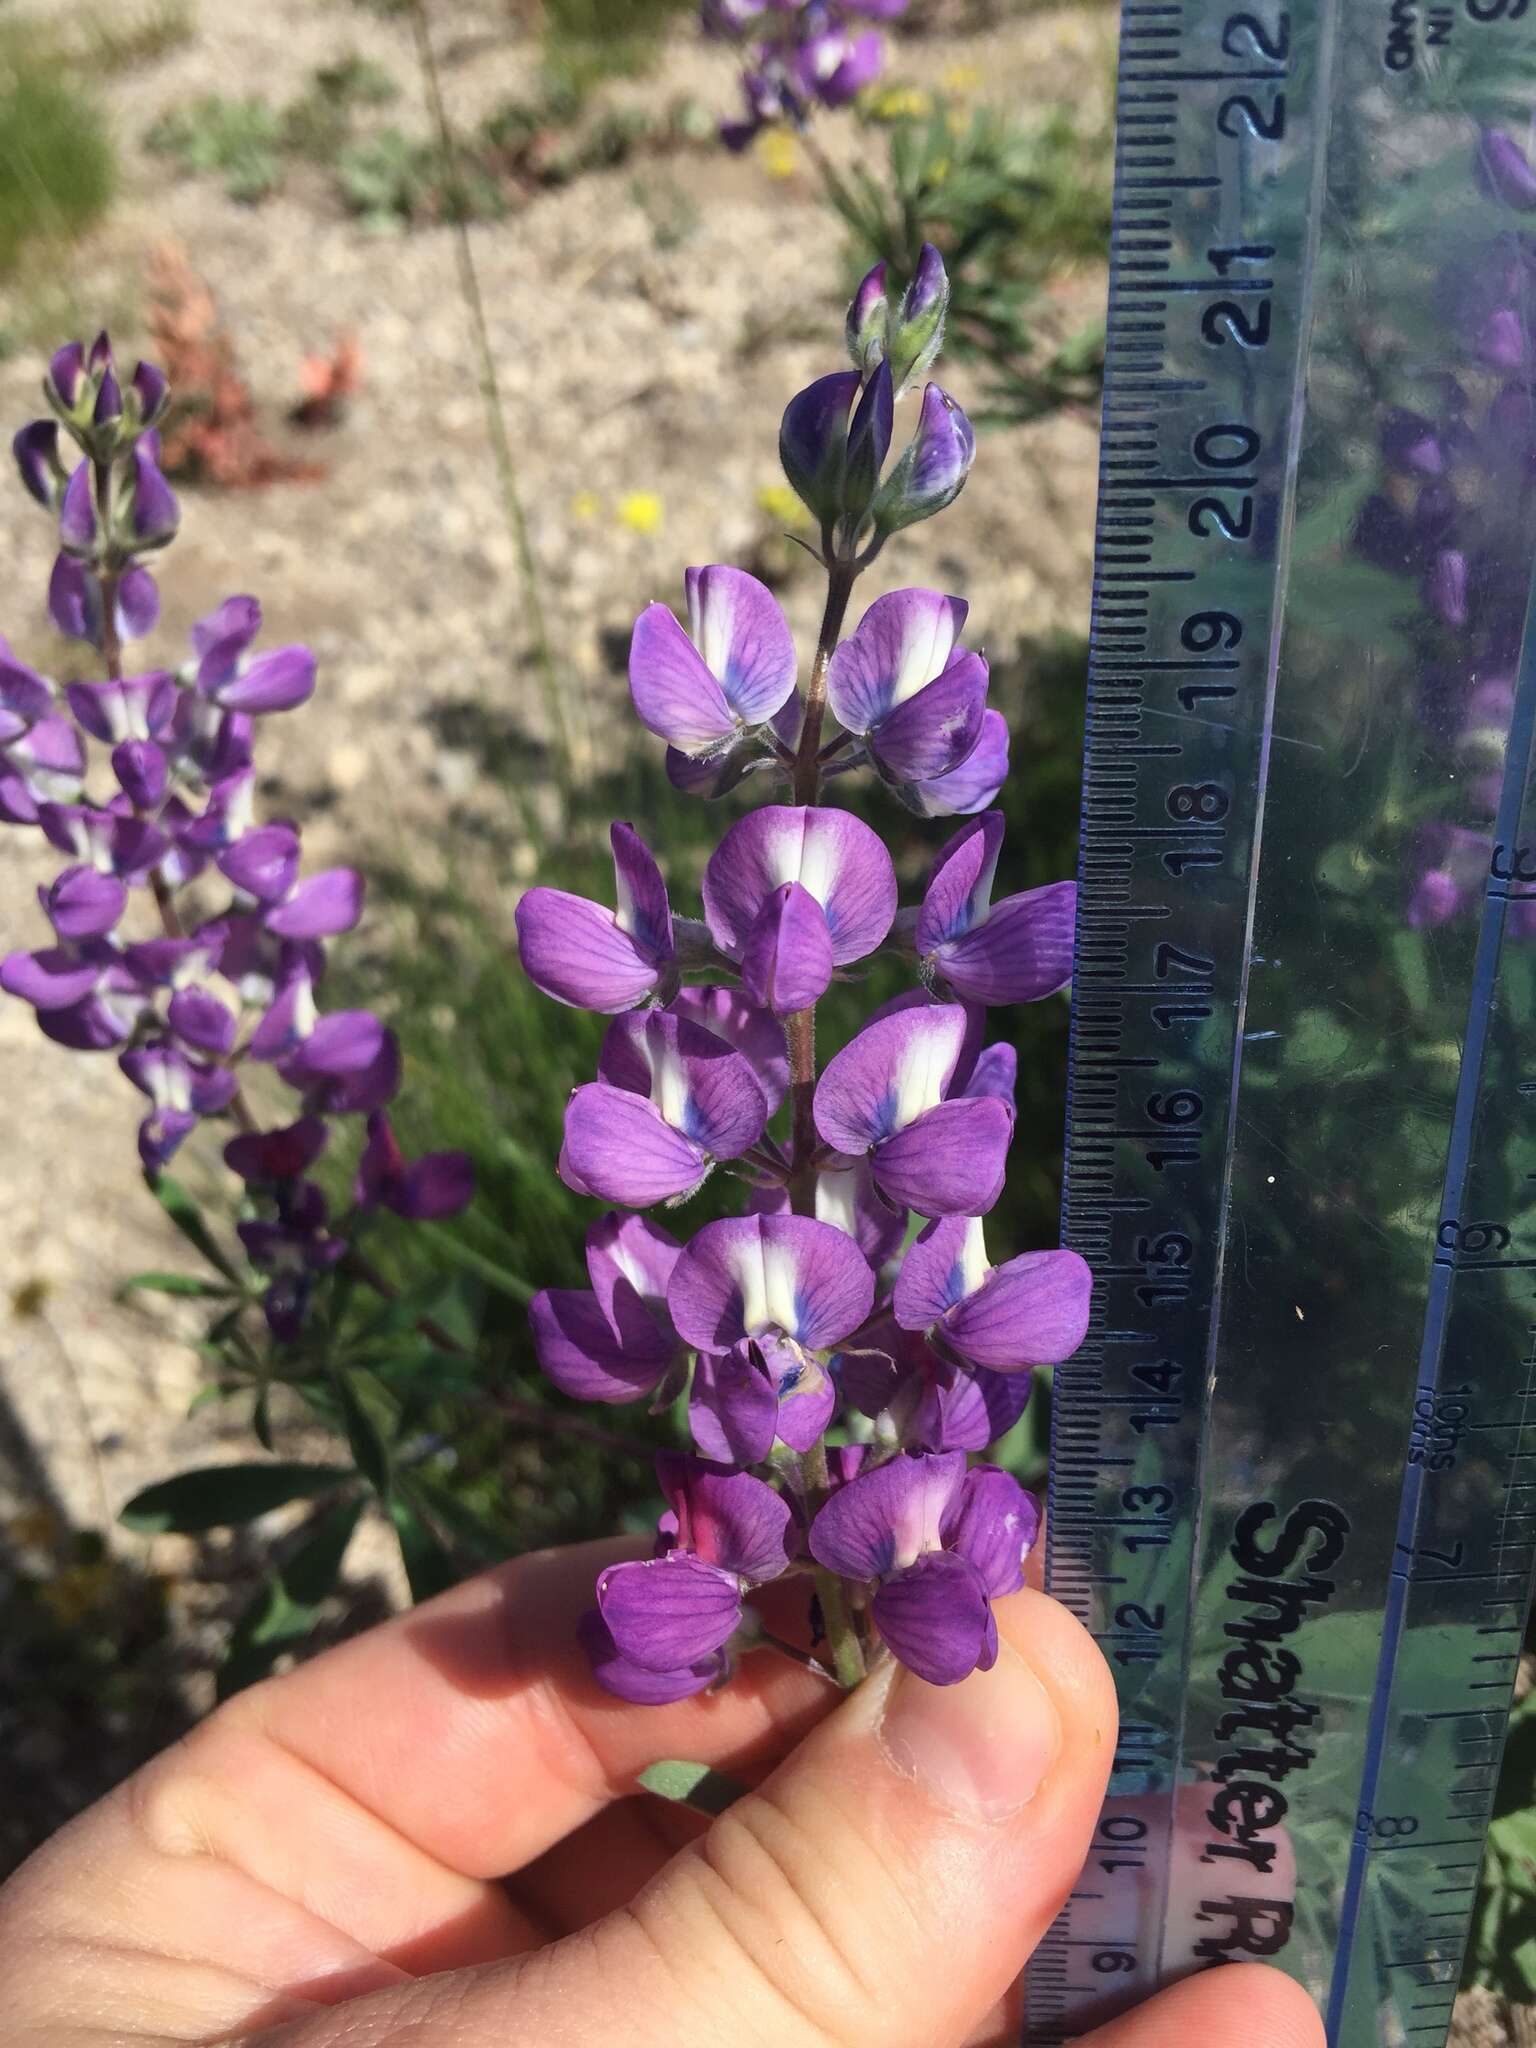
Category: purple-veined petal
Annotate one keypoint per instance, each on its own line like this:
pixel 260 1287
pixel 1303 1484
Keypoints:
pixel 902 642
pixel 733 1409
pixel 886 1519
pixel 975 783
pixel 747 1027
pixel 813 440
pixel 669 1612
pixel 1018 953
pixel 713 774
pixel 786 962
pixel 949 1161
pixel 142 772
pixel 24 698
pixel 730 1519
pixel 847 1198
pixel 77 512
pixel 743 1275
pixel 629 1263
pixel 968 1410
pixel 1032 1310
pixel 833 855
pixel 960 883
pixel 138 603
pixel 200 1019
pixel 935 732
pixel 807 1393
pixel 575 951
pixel 993 1524
pixel 620 1148
pixel 222 637
pixel 935 1618
pixel 320 907
pixel 696 1081
pixel 577 1348
pixel 674 694
pixel 641 908
pixel 137 708
pixel 289 1019
pixel 342 1042
pixel 743 638
pixel 627 1680
pixel 943 1264
pixel 275 681
pixel 52 978
pixel 897 1068
pixel 82 904
pixel 92 1025
pixel 264 863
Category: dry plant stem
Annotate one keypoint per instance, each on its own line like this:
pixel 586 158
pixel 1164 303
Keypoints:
pixel 495 413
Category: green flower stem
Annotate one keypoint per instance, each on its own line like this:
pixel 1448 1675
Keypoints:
pixel 847 1652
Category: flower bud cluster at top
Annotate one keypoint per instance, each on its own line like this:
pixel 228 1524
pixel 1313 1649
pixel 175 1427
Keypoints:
pixel 184 937
pixel 1454 480
pixel 799 54
pixel 845 1342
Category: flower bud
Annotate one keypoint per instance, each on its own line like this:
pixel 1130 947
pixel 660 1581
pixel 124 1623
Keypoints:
pixel 77 514
pixel 36 449
pixel 153 514
pixel 150 393
pixel 65 383
pixel 1504 172
pixel 108 409
pixel 813 441
pixel 869 441
pixel 932 469
pixel 868 324
pixel 918 328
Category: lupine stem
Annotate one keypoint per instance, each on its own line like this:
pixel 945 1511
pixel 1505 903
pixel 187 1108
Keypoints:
pixel 836 1615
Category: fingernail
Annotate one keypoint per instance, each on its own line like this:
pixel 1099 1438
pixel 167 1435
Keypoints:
pixel 983 1747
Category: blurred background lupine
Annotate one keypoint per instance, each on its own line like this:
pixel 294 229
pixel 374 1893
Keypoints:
pixel 477 330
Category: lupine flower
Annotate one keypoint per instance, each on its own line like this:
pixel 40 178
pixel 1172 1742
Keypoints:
pixel 1031 1311
pixel 802 53
pixel 704 690
pixel 1015 951
pixel 791 893
pixel 941 1544
pixel 597 959
pixel 727 1532
pixel 971 787
pixel 898 684
pixel 670 1101
pixel 615 1342
pixel 437 1185
pixel 227 674
pixel 885 1095
pixel 921 1401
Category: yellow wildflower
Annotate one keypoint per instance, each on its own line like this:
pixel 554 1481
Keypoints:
pixel 641 512
pixel 779 503
pixel 961 79
pixel 778 153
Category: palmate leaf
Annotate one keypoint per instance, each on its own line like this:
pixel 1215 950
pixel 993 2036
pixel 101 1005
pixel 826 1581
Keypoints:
pixel 215 1496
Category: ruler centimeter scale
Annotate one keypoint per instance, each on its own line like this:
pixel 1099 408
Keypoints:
pixel 1294 1464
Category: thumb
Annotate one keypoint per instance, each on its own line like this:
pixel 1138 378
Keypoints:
pixel 884 1885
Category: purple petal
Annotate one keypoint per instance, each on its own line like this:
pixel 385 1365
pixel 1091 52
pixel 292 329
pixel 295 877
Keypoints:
pixel 703 1089
pixel 935 1619
pixel 66 368
pixel 575 951
pixel 355 1093
pixel 886 1519
pixel 24 698
pixel 807 1393
pixel 665 1613
pixel 137 708
pixel 619 1148
pixel 138 603
pixel 902 643
pixel 627 1680
pixel 751 1030
pixel 320 907
pixel 968 1411
pixel 813 440
pixel 733 1409
pixel 1033 1310
pixel 88 1026
pixel 142 772
pixel 273 682
pixel 1504 171
pixel 950 1161
pixel 82 904
pixel 36 449
pixel 730 1519
pixel 226 633
pixel 629 1262
pixel 833 855
pixel 153 510
pixel 674 694
pixel 437 1185
pixel 577 1347
pixel 960 883
pixel 270 1156
pixel 198 1018
pixel 1020 952
pixel 975 783
pixel 847 1197
pixel 859 68
pixel 151 389
pixel 53 978
pixel 640 895
pixel 744 639
pixel 933 468
pixel 743 1275
pixel 897 1068
pixel 77 513
pixel 74 602
pixel 289 1019
pixel 786 962
pixel 993 1524
pixel 944 1263
pixel 344 1042
pixel 264 863
pixel 935 732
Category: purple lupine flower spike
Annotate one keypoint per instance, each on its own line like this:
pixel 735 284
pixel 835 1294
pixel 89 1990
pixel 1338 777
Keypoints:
pixel 597 959
pixel 1015 951
pixel 941 1544
pixel 614 1342
pixel 703 689
pixel 885 1095
pixel 1031 1311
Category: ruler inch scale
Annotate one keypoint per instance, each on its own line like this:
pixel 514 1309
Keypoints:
pixel 1293 1487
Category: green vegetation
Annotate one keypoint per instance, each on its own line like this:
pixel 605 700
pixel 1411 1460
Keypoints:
pixel 57 169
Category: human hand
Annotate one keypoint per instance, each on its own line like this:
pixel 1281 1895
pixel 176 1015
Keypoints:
pixel 322 1863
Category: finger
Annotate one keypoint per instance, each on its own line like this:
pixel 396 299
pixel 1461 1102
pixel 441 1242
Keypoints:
pixel 1241 2005
pixel 884 1884
pixel 334 1831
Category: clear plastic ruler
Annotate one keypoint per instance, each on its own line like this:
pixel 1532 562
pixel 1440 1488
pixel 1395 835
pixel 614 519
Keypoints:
pixel 1294 1470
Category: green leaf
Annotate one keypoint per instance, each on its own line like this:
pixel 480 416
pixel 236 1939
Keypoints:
pixel 290 1602
pixel 428 1565
pixel 188 1219
pixel 261 1416
pixel 173 1283
pixel 476 1262
pixel 369 1415
pixel 694 1785
pixel 214 1496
